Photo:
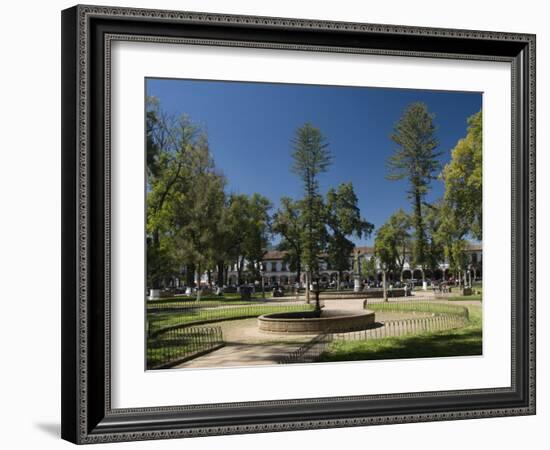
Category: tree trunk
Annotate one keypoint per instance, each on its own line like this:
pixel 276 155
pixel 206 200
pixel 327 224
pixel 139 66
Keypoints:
pixel 155 279
pixel 190 275
pixel 198 282
pixel 419 230
pixel 385 289
pixel 240 271
pixel 220 269
pixel 308 278
pixel 317 301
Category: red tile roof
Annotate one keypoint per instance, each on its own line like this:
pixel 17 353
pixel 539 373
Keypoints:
pixel 474 247
pixel 274 254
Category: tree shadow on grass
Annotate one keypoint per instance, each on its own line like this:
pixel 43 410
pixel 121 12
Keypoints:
pixel 466 342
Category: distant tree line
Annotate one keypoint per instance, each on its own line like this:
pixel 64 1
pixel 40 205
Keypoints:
pixel 195 227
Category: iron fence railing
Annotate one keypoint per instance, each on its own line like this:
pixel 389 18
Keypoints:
pixel 405 327
pixel 309 352
pixel 176 345
pixel 422 306
pixel 445 317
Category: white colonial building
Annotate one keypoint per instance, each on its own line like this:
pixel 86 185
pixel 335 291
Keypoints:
pixel 275 270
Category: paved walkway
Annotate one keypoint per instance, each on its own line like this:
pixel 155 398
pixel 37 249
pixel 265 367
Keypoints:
pixel 236 355
pixel 246 345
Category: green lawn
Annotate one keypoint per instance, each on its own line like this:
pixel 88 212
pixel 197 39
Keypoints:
pixel 182 342
pixel 225 299
pixel 189 316
pixel 461 298
pixel 460 342
pixel 418 306
pixel 161 351
pixel 477 287
pixel 178 303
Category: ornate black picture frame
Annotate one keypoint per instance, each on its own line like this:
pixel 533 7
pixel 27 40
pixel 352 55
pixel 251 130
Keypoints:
pixel 87 34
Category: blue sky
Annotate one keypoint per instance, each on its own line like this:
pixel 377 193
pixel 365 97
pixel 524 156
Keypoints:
pixel 250 126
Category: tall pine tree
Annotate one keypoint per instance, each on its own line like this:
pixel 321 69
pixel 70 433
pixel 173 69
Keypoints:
pixel 311 158
pixel 416 160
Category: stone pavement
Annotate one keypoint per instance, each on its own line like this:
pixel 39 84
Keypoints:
pixel 236 355
pixel 246 345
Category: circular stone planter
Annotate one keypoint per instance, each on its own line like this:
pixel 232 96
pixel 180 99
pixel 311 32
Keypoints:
pixel 306 322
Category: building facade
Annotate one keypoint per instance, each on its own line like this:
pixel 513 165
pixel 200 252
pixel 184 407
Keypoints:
pixel 275 270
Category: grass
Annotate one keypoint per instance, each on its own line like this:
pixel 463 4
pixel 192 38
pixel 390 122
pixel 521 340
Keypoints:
pixel 184 342
pixel 189 316
pixel 465 341
pixel 158 349
pixel 462 298
pixel 210 297
pixel 418 306
pixel 155 356
pixel 477 287
pixel 179 303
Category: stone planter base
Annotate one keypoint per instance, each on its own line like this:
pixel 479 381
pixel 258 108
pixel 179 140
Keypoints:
pixel 306 322
pixel 155 294
pixel 466 291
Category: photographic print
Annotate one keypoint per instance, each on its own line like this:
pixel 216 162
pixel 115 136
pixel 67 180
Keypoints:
pixel 292 223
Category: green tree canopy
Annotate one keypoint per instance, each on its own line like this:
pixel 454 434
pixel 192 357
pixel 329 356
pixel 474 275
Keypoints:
pixel 369 267
pixel 311 156
pixel 344 220
pixel 393 241
pixel 169 140
pixel 463 181
pixel 287 222
pixel 256 232
pixel 197 210
pixel 461 210
pixel 434 244
pixel 242 234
